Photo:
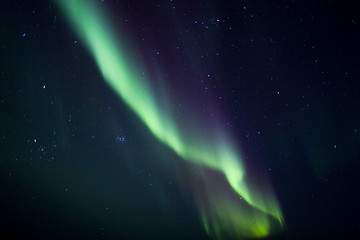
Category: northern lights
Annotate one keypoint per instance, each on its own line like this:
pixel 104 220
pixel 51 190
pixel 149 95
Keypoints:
pixel 222 215
pixel 176 119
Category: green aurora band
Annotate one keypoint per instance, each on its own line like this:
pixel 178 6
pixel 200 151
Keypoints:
pixel 221 215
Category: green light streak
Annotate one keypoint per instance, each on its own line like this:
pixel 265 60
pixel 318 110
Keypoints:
pixel 117 67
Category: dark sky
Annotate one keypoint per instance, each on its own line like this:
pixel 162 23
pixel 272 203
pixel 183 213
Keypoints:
pixel 283 77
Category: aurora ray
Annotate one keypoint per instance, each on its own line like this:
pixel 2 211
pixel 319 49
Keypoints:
pixel 222 214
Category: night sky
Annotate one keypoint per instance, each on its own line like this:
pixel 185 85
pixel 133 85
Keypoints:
pixel 179 119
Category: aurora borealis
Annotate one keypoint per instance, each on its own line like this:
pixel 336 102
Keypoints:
pixel 112 61
pixel 176 119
